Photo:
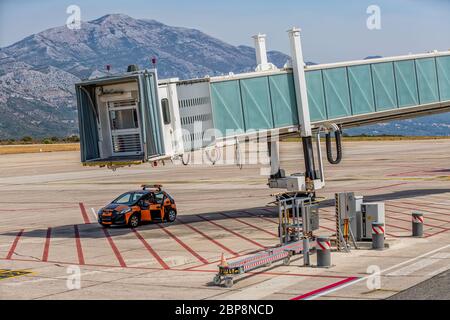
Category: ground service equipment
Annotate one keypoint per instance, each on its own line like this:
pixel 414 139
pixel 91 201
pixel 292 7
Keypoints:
pixel 298 218
pixel 370 212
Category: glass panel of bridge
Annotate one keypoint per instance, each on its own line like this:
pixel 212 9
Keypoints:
pixel 227 106
pixel 427 80
pixel 361 89
pixel 337 94
pixel 256 103
pixel 443 68
pixel 406 81
pixel 283 100
pixel 316 97
pixel 384 86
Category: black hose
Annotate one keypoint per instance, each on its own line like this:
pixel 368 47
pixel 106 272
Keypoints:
pixel 337 135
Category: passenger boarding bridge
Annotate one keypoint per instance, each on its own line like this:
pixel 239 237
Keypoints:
pixel 135 118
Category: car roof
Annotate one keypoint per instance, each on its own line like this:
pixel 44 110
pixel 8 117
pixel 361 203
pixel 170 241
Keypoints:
pixel 146 191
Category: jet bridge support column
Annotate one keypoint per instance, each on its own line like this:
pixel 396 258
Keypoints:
pixel 301 93
pixel 273 147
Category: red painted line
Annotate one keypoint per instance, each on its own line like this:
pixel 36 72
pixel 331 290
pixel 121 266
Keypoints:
pixel 427 217
pixel 425 210
pixel 398 227
pixel 34 209
pixel 263 218
pixel 389 234
pixel 233 232
pixel 14 244
pixel 78 244
pixel 427 204
pixel 323 289
pixel 436 233
pixel 389 225
pixel 47 244
pixel 275 222
pixel 151 250
pixel 185 270
pixel 388 186
pixel 184 245
pixel 250 225
pixel 425 224
pixel 114 248
pixel 84 213
pixel 234 253
pixel 326 228
pixel 407 172
pixel 438 198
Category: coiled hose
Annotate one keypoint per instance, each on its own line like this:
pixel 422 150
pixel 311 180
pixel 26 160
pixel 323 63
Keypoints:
pixel 337 136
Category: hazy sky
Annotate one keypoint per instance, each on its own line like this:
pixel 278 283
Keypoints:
pixel 333 30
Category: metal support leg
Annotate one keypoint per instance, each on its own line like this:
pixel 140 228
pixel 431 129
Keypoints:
pixel 309 158
pixel 306 261
pixel 274 153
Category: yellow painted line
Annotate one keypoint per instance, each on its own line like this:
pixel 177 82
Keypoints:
pixel 7 273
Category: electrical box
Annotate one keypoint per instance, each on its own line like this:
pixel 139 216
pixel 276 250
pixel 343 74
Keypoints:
pixel 295 183
pixel 349 207
pixel 312 223
pixel 370 212
pixel 355 222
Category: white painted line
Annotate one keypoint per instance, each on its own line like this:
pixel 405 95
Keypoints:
pixel 421 264
pixel 264 289
pixel 16 284
pixel 440 270
pixel 94 213
pixel 414 267
pixel 441 255
pixel 385 270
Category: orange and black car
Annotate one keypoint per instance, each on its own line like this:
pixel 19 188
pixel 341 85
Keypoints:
pixel 151 204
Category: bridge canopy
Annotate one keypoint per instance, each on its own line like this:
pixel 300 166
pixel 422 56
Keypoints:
pixel 345 93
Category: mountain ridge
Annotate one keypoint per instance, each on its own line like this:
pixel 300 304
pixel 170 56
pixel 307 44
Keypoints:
pixel 38 73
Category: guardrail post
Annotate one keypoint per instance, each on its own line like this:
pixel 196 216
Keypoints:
pixel 417 224
pixel 323 251
pixel 377 235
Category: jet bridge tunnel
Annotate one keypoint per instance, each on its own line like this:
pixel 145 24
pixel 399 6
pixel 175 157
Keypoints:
pixel 133 117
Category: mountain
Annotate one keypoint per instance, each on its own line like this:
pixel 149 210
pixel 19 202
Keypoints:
pixel 37 74
pixel 435 125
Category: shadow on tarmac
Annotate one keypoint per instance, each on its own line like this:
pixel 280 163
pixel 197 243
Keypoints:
pixel 94 230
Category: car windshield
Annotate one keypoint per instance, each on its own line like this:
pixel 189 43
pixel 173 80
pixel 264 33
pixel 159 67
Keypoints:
pixel 129 198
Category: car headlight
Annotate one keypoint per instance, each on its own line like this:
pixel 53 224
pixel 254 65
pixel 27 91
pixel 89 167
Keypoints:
pixel 125 211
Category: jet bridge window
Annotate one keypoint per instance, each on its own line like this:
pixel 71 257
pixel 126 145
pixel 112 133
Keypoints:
pixel 165 110
pixel 124 119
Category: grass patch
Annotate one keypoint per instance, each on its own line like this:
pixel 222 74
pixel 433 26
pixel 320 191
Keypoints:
pixel 36 148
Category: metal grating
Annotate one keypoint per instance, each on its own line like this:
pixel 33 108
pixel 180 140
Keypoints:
pixel 195 114
pixel 126 143
pixel 122 103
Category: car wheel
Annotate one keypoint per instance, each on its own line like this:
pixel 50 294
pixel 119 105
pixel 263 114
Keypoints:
pixel 171 215
pixel 134 221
